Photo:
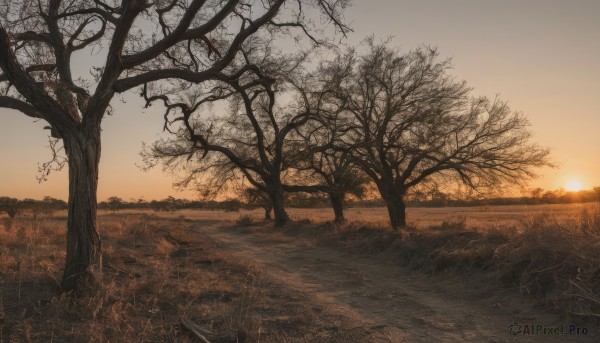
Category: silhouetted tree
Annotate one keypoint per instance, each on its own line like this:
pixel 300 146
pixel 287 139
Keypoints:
pixel 52 204
pixel 47 206
pixel 333 169
pixel 410 122
pixel 12 207
pixel 537 193
pixel 256 197
pixel 115 204
pixel 145 44
pixel 251 138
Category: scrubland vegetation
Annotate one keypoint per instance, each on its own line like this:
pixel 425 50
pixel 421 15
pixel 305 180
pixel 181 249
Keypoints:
pixel 552 259
pixel 155 273
pixel 158 272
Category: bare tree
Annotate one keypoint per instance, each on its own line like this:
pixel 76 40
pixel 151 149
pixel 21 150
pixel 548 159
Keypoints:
pixel 335 170
pixel 114 204
pixel 12 207
pixel 251 138
pixel 256 197
pixel 410 123
pixel 184 42
pixel 47 206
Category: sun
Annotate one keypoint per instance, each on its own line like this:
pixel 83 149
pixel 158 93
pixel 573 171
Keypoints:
pixel 573 185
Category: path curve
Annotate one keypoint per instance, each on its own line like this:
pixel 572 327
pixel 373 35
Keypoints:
pixel 391 302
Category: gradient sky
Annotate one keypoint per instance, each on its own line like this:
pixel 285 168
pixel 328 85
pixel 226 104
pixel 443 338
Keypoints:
pixel 542 56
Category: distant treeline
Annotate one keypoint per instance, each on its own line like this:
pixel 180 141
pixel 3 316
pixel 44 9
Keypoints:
pixel 169 204
pixel 48 205
pixel 537 197
pixel 172 204
pixel 45 207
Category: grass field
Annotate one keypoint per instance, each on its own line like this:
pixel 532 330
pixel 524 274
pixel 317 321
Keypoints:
pixel 548 252
pixel 159 268
pixel 156 272
pixel 418 217
pixel 480 217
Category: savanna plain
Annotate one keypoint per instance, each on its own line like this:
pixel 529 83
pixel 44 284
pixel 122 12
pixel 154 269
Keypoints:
pixel 476 274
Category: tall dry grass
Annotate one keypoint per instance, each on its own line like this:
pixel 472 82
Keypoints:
pixel 156 271
pixel 552 259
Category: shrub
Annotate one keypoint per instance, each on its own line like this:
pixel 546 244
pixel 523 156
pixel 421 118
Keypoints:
pixel 245 220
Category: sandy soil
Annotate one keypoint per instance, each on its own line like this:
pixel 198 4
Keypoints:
pixel 393 304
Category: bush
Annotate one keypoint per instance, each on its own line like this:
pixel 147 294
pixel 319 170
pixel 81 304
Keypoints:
pixel 304 221
pixel 245 220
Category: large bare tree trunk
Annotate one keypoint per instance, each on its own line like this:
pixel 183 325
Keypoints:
pixel 277 198
pixel 397 211
pixel 394 201
pixel 337 203
pixel 83 242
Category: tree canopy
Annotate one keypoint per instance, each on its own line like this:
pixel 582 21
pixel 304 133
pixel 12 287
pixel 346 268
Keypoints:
pixel 411 124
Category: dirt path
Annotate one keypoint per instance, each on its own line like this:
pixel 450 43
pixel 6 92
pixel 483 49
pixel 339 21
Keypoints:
pixel 394 304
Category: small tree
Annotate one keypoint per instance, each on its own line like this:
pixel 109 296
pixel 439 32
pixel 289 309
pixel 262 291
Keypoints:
pixel 411 122
pixel 12 207
pixel 335 170
pixel 46 207
pixel 256 197
pixel 115 204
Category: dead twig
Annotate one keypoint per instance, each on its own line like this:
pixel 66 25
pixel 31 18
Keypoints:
pixel 118 270
pixel 195 329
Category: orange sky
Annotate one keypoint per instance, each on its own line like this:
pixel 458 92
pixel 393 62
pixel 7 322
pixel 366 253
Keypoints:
pixel 542 56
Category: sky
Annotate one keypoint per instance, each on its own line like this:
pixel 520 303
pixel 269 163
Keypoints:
pixel 542 56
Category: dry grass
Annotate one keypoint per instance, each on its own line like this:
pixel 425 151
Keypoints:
pixel 484 216
pixel 159 269
pixel 155 272
pixel 553 259
pixel 245 220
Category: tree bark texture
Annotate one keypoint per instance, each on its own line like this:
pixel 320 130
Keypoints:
pixel 397 211
pixel 277 197
pixel 337 203
pixel 83 243
pixel 394 201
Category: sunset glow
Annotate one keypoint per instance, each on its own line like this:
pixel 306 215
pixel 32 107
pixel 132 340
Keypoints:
pixel 495 58
pixel 573 185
